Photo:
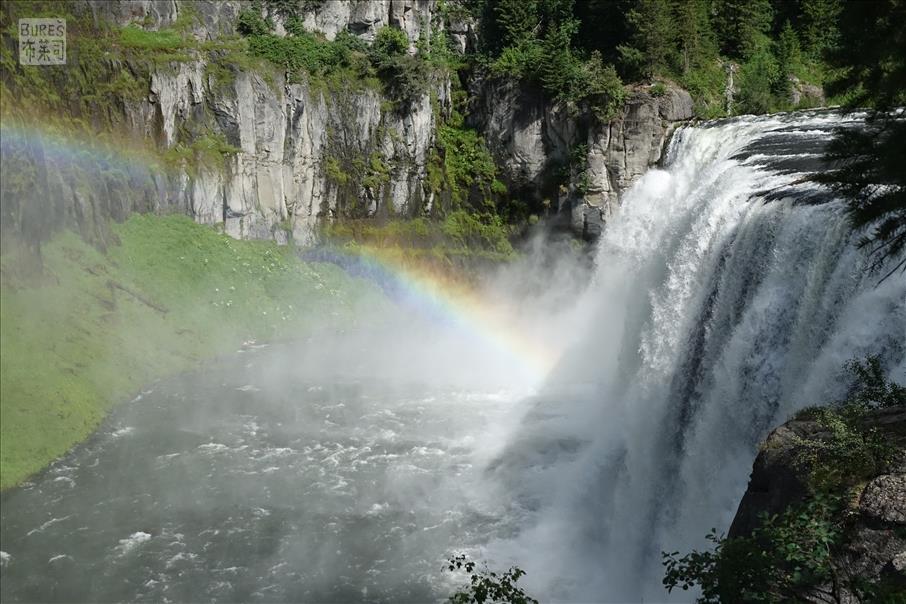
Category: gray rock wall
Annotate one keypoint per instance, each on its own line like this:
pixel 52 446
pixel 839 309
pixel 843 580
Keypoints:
pixel 621 151
pixel 533 140
pixel 279 183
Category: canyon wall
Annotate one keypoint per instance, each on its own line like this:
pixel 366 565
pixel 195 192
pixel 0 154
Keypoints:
pixel 279 179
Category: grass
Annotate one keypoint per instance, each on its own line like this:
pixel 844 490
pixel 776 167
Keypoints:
pixel 133 36
pixel 94 328
pixel 461 235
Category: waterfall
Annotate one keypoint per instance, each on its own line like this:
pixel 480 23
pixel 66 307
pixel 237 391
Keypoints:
pixel 724 300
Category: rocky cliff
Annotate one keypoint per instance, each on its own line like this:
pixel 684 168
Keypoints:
pixel 279 142
pixel 872 548
pixel 535 140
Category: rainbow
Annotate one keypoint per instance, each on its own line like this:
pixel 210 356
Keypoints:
pixel 432 294
pixel 437 296
pixel 62 145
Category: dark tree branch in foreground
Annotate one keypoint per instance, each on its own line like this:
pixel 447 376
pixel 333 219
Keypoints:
pixel 868 167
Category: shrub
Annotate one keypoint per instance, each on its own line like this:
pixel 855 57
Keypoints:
pixel 472 231
pixel 299 54
pixel 487 586
pixel 462 167
pixel 389 43
pixel 781 561
pixel 251 23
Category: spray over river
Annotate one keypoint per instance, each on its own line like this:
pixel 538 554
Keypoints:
pixel 348 467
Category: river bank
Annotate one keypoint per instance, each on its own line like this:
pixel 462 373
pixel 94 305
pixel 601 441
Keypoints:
pixel 85 328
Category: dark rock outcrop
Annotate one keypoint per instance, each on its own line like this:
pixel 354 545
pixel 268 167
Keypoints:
pixel 874 543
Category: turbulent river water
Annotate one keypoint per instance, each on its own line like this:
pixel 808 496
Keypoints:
pixel 724 298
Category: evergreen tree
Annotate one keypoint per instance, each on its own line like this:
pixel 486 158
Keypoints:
pixel 518 20
pixel 695 37
pixel 742 25
pixel 561 71
pixel 651 48
pixel 868 164
pixel 603 25
pixel 789 57
pixel 820 29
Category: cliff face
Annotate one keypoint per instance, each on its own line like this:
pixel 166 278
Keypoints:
pixel 533 139
pixel 286 135
pixel 873 547
pixel 280 179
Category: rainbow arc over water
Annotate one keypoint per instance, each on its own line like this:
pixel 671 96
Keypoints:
pixel 442 297
pixel 418 287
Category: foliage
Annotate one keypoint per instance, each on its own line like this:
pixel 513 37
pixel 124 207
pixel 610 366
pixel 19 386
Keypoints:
pixel 487 231
pixel 871 390
pixel 460 238
pixel 300 54
pixel 652 42
pixel 389 43
pixel 687 41
pixel 848 451
pixel 537 44
pixel 133 36
pixel 741 26
pixel 405 77
pixel 461 168
pixel 785 557
pixel 251 23
pixel 488 586
pixel 354 173
pixel 758 78
pixel 866 165
pixel 790 554
pixel 789 58
pixel 820 25
pixel 208 150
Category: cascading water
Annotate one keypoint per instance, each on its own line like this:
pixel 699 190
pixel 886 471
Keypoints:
pixel 724 300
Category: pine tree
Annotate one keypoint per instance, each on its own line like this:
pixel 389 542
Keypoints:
pixel 820 29
pixel 869 162
pixel 742 25
pixel 789 57
pixel 518 20
pixel 696 42
pixel 651 49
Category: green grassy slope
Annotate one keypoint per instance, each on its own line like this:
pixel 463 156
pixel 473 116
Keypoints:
pixel 94 327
